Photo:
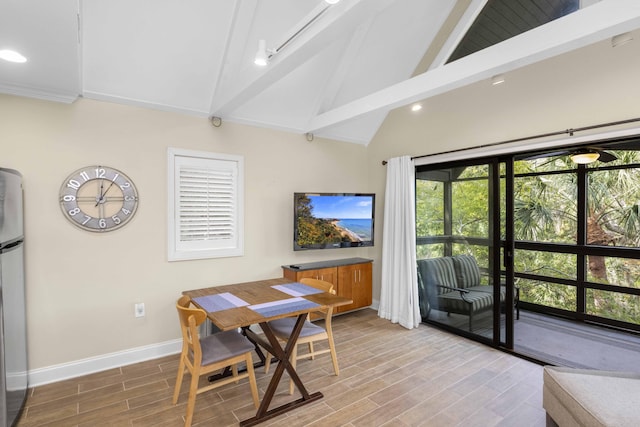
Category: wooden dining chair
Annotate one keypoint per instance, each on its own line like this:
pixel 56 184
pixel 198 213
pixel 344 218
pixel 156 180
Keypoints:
pixel 202 356
pixel 310 333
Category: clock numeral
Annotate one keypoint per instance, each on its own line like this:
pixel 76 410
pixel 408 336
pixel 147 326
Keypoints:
pixel 68 198
pixel 84 175
pixel 125 186
pixel 102 223
pixel 115 177
pixel 116 219
pixel 87 218
pixel 100 173
pixel 73 184
pixel 74 211
pixel 126 211
pixel 129 198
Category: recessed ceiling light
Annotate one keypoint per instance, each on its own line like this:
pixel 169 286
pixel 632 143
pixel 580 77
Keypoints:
pixel 416 107
pixel 12 56
pixel 332 1
pixel 497 80
pixel 621 39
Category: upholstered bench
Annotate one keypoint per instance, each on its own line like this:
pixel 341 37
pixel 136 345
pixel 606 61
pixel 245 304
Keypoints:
pixel 586 398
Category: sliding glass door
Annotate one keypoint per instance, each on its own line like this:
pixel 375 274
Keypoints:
pixel 459 251
pixel 503 241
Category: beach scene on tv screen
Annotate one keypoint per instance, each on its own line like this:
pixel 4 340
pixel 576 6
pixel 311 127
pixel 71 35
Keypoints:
pixel 331 220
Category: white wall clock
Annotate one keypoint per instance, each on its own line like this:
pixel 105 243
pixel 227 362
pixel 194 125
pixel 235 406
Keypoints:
pixel 98 198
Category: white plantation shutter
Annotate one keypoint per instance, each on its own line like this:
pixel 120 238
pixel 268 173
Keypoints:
pixel 207 204
pixel 206 207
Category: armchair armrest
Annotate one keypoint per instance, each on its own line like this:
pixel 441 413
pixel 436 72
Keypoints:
pixel 451 288
pixel 461 290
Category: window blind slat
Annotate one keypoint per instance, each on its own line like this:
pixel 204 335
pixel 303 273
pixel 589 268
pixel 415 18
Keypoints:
pixel 207 204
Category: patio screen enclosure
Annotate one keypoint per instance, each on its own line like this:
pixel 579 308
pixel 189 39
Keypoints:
pixel 547 234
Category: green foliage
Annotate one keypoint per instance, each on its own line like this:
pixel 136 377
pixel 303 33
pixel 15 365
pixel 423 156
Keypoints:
pixel 470 207
pixel 548 294
pixel 430 208
pixel 545 210
pixel 612 305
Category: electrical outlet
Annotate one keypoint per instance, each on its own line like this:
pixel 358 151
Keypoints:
pixel 139 309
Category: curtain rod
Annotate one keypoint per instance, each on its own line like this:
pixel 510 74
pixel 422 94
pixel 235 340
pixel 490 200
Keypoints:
pixel 569 132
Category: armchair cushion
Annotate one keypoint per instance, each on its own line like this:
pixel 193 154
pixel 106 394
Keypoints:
pixel 475 300
pixel 467 271
pixel 438 272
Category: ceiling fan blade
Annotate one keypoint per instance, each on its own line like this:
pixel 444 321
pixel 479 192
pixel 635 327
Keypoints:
pixel 605 156
pixel 543 155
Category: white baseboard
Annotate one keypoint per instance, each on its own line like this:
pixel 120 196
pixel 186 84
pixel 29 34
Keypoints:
pixel 77 368
pixel 63 371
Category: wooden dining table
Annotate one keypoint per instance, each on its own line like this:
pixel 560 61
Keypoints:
pixel 242 305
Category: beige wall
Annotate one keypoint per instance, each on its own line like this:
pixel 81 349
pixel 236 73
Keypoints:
pixel 82 286
pixel 594 85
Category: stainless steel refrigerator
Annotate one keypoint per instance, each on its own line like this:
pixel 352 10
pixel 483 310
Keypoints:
pixel 13 340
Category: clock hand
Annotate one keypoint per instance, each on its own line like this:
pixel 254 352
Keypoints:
pixel 101 194
pixel 105 193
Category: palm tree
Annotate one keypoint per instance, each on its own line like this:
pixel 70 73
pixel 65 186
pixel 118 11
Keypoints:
pixel 545 206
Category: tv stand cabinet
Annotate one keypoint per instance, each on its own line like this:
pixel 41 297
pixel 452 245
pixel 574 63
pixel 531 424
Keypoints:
pixel 352 278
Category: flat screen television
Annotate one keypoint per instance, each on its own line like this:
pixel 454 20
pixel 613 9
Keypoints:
pixel 332 220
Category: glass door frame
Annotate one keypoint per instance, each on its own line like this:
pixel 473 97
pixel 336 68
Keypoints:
pixel 500 252
pixel 504 264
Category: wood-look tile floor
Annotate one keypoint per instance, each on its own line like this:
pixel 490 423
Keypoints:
pixel 389 376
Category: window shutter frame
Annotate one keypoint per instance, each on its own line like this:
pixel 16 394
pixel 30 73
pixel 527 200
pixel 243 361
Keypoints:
pixel 206 205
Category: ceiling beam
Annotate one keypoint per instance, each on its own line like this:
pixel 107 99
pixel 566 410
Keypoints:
pixel 337 20
pixel 243 15
pixel 579 29
pixel 464 23
pixel 346 62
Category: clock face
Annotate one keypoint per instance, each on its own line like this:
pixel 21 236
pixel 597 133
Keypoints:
pixel 98 198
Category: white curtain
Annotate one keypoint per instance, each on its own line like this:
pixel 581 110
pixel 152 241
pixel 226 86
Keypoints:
pixel 399 293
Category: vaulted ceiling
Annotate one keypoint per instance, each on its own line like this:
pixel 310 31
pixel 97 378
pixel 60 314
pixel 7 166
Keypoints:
pixel 337 78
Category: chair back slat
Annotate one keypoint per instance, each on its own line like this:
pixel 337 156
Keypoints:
pixel 319 284
pixel 190 319
pixel 323 285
